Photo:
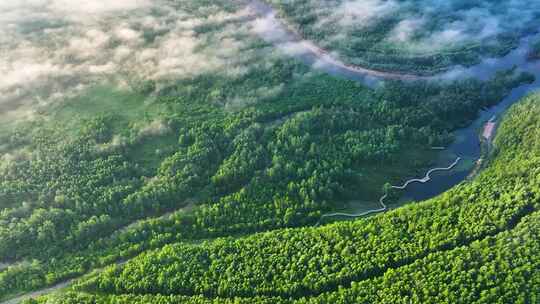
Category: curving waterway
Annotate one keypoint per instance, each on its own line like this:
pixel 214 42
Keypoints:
pixel 467 144
pixel 405 185
pixel 465 150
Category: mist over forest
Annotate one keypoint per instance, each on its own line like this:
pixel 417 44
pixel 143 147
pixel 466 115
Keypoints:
pixel 424 25
pixel 269 151
pixel 52 49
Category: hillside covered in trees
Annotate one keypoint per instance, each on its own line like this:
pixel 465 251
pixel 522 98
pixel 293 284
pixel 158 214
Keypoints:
pixel 166 152
pixel 478 243
pixel 419 37
pixel 279 164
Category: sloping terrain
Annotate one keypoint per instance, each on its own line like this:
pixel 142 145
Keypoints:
pixel 172 139
pixel 478 243
pixel 413 36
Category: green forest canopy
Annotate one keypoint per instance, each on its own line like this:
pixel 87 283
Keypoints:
pixel 478 243
pixel 278 164
pixel 113 173
pixel 419 37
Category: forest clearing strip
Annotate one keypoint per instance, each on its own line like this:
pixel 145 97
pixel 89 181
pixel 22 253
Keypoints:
pixel 38 293
pixel 423 180
pixel 51 289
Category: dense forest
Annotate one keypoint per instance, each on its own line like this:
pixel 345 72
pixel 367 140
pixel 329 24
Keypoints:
pixel 219 171
pixel 477 243
pixel 419 37
pixel 278 164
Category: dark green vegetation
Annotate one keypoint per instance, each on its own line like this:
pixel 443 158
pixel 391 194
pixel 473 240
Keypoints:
pixel 277 165
pixel 422 37
pixel 70 182
pixel 272 147
pixel 478 243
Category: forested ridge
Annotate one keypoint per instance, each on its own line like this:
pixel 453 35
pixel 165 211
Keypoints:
pixel 114 172
pixel 280 164
pixel 393 37
pixel 171 152
pixel 477 243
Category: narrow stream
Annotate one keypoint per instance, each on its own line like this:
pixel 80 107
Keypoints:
pixel 467 144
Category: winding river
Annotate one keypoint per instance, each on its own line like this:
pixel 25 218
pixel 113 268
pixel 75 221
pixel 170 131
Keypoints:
pixel 467 144
pixel 465 150
pixel 384 207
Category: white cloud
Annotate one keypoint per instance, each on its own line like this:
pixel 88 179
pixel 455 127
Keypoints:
pixel 423 25
pixel 406 29
pixel 363 12
pixel 128 35
pixel 51 46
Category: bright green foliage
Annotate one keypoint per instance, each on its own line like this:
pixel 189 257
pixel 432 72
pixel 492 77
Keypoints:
pixel 478 243
pixel 278 164
pixel 88 186
pixel 166 170
pixel 500 269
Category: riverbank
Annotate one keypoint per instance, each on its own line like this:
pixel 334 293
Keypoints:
pixel 384 207
pixel 486 137
pixel 467 144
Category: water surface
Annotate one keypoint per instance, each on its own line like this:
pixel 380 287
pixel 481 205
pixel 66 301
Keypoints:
pixel 467 140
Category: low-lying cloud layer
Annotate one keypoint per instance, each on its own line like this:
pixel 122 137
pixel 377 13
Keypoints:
pixel 53 48
pixel 423 25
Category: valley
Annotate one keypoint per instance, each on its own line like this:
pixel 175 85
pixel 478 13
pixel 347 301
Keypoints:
pixel 210 151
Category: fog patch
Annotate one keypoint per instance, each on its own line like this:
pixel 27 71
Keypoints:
pixel 12 157
pixel 155 128
pixel 252 97
pixel 421 26
pixel 363 12
pixel 117 142
pixel 52 48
